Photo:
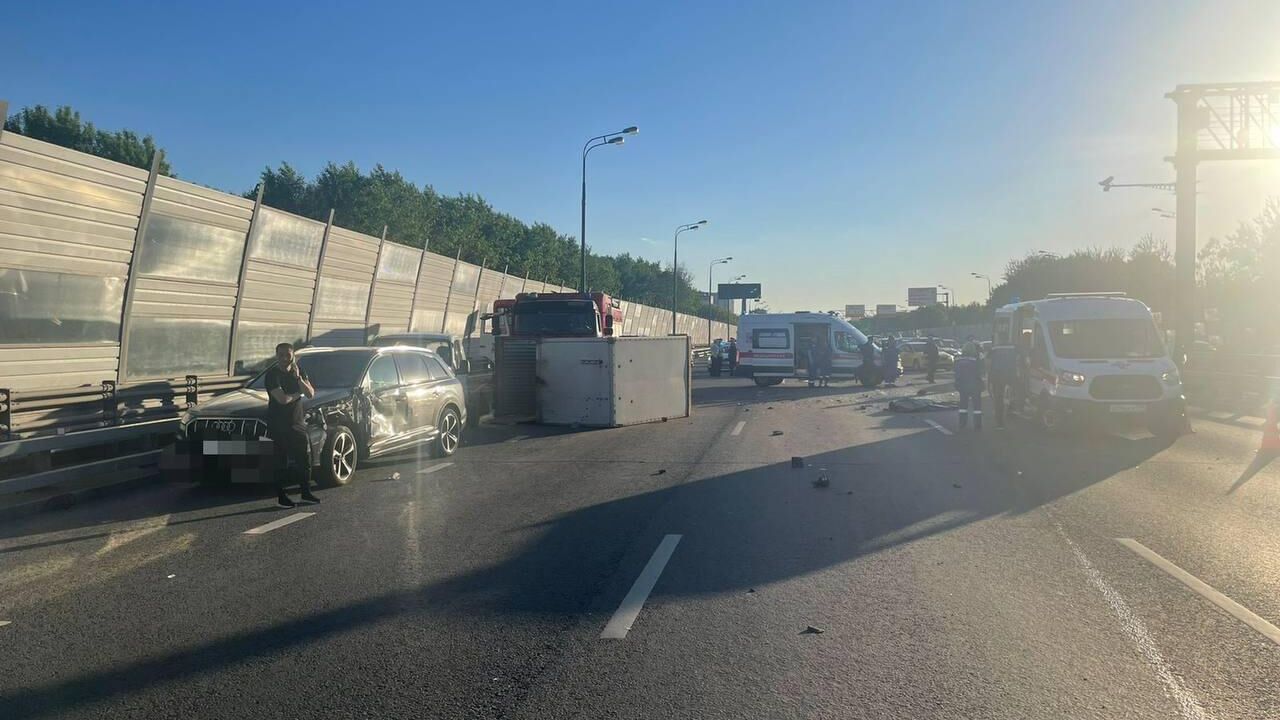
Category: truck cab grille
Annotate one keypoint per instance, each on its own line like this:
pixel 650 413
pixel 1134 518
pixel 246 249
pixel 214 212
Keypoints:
pixel 1125 387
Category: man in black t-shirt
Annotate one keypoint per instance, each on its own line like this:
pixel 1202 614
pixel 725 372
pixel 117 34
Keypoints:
pixel 286 385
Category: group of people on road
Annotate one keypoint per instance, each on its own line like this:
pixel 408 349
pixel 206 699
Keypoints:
pixel 1005 374
pixel 818 357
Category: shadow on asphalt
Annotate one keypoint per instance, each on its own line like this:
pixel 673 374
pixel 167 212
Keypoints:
pixel 882 494
pixel 1260 461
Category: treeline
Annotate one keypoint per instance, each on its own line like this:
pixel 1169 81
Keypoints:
pixel 1238 278
pixel 416 216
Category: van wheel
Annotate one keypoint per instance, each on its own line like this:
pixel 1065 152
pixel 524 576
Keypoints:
pixel 340 457
pixel 1048 419
pixel 871 378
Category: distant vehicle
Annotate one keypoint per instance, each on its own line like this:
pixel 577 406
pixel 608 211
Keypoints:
pixel 369 402
pixel 951 346
pixel 1096 357
pixel 475 374
pixel 718 359
pixel 770 347
pixel 911 353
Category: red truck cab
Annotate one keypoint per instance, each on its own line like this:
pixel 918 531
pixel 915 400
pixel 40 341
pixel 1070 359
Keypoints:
pixel 557 315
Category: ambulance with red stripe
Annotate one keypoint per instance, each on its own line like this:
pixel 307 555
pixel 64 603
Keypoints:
pixel 771 347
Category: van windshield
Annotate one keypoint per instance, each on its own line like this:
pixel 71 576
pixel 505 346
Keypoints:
pixel 1100 339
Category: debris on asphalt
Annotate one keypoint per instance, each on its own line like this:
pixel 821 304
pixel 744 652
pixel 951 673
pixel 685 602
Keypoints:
pixel 910 405
pixel 171 576
pixel 750 590
pixel 769 408
pixel 822 480
pixel 797 462
pixel 661 471
pixel 395 476
pixel 776 433
pixel 849 493
pixel 811 630
pixel 955 485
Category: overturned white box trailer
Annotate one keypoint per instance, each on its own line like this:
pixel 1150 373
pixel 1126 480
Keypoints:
pixel 612 381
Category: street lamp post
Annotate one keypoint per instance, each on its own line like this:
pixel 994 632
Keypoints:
pixel 711 306
pixel 980 276
pixel 614 138
pixel 675 270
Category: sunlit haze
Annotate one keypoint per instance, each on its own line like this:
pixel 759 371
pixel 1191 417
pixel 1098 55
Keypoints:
pixel 842 152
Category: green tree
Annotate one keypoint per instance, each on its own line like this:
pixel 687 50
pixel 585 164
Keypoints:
pixel 64 127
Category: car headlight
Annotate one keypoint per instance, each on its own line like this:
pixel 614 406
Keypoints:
pixel 1066 377
pixel 1170 377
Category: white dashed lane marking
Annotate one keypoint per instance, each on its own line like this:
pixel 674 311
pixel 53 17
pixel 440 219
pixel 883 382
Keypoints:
pixel 938 427
pixel 277 524
pixel 629 610
pixel 1238 611
pixel 737 429
pixel 434 468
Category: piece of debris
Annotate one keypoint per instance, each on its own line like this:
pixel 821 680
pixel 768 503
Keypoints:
pixel 910 405
pixel 171 576
pixel 955 485
pixel 797 462
pixel 776 433
pixel 661 471
pixel 750 590
pixel 849 493
pixel 821 481
pixel 769 408
pixel 394 476
pixel 811 630
pixel 922 391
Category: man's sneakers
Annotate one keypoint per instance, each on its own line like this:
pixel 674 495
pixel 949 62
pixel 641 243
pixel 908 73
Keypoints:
pixel 307 496
pixel 285 502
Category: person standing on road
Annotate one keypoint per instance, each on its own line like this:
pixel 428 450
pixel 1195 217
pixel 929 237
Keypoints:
pixel 889 356
pixel 286 385
pixel 733 355
pixel 1022 385
pixel 1002 374
pixel 931 356
pixel 811 360
pixel 824 356
pixel 969 385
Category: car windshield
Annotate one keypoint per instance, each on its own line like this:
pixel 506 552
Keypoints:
pixel 556 317
pixel 1099 339
pixel 341 369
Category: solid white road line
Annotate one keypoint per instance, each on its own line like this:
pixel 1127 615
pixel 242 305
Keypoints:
pixel 629 610
pixel 737 429
pixel 277 524
pixel 434 468
pixel 1136 631
pixel 937 426
pixel 1238 611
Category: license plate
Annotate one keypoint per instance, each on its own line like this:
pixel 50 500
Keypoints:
pixel 261 446
pixel 1128 409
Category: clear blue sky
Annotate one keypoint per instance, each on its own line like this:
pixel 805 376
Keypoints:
pixel 842 151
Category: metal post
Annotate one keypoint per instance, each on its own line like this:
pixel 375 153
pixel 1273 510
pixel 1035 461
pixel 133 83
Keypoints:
pixel 244 272
pixel 130 291
pixel 582 283
pixel 675 279
pixel 453 277
pixel 711 305
pixel 1184 254
pixel 4 115
pixel 373 284
pixel 417 281
pixel 525 284
pixel 475 299
pixel 315 291
pixel 502 286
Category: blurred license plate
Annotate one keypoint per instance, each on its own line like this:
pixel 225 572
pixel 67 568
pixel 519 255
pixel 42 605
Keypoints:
pixel 1128 409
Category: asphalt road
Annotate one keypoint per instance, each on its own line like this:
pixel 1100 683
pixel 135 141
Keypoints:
pixel 951 575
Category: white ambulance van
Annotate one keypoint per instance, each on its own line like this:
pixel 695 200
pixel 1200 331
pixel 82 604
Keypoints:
pixel 770 347
pixel 1095 358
